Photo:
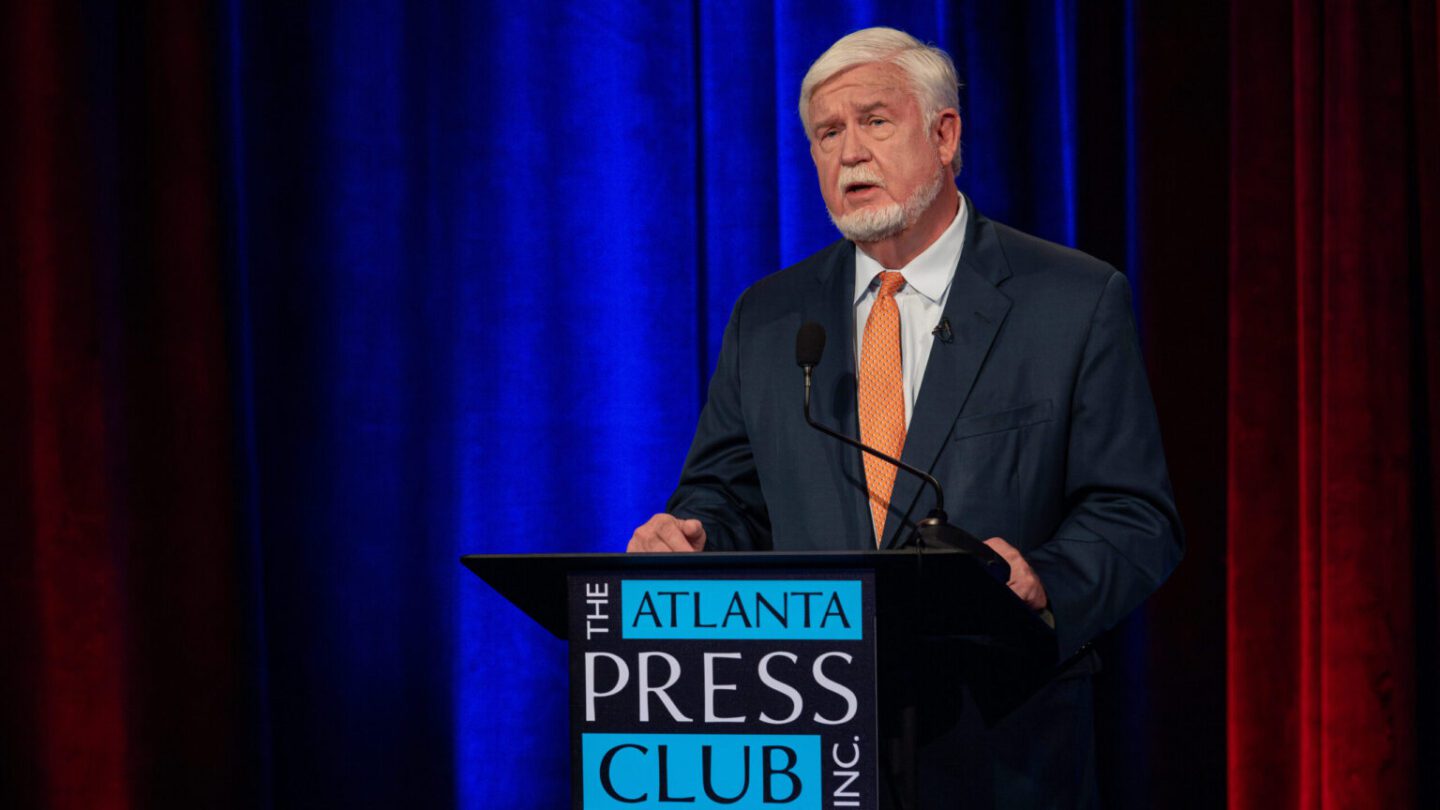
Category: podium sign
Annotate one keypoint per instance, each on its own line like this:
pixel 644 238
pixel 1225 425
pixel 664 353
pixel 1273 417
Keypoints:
pixel 753 690
pixel 749 680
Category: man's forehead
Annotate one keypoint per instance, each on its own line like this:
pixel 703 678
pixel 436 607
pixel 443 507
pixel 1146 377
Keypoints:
pixel 870 85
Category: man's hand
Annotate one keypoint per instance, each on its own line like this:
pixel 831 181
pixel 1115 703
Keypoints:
pixel 1023 581
pixel 668 533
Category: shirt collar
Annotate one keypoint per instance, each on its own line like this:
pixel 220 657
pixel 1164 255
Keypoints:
pixel 929 273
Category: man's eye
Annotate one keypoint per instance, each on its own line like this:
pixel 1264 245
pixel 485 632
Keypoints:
pixel 875 122
pixel 828 134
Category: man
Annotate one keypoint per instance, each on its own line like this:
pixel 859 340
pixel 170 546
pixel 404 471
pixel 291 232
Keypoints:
pixel 1005 365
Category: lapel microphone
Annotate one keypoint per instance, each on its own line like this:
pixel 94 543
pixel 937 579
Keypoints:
pixel 943 331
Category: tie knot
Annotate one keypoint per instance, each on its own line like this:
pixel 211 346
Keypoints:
pixel 890 283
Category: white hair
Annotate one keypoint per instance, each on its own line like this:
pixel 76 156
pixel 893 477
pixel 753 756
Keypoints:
pixel 929 70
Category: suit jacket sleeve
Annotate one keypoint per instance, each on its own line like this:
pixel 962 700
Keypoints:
pixel 1120 537
pixel 720 485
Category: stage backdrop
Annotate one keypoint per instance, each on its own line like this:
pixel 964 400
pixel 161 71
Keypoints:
pixel 301 301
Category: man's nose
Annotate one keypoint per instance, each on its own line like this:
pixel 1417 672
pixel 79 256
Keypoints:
pixel 852 148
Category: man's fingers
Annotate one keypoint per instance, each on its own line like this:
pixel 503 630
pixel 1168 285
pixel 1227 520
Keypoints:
pixel 1023 581
pixel 694 533
pixel 667 533
pixel 1009 554
pixel 654 540
pixel 1002 548
pixel 672 536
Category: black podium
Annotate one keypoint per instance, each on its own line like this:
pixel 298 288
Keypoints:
pixel 795 680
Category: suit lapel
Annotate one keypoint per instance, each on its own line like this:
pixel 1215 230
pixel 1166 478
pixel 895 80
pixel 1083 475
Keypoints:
pixel 976 310
pixel 833 396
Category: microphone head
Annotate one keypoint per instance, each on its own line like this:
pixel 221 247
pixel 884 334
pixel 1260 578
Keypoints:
pixel 809 344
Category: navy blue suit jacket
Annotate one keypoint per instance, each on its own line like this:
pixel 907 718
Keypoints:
pixel 1036 418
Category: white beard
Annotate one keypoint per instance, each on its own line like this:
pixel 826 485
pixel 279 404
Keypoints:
pixel 873 223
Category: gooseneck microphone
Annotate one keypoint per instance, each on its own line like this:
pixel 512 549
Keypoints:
pixel 809 348
pixel 935 530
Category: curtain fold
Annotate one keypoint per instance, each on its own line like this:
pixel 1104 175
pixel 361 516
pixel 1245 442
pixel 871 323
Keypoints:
pixel 1424 233
pixel 64 598
pixel 1328 317
pixel 131 677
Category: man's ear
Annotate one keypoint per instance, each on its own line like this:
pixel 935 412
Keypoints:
pixel 946 132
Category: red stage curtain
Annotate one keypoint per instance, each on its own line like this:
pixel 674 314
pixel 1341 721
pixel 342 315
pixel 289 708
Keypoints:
pixel 62 593
pixel 1332 421
pixel 126 679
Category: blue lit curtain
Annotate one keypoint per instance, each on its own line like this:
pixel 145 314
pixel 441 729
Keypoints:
pixel 315 297
pixel 483 258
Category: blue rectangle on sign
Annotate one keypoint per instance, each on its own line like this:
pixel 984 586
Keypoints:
pixel 734 771
pixel 790 609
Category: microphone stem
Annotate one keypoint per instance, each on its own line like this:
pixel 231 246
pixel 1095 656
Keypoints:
pixel 939 510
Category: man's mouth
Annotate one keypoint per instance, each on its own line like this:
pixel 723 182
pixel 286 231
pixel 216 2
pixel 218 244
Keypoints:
pixel 859 181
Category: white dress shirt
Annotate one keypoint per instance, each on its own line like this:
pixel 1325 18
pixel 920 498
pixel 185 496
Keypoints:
pixel 921 301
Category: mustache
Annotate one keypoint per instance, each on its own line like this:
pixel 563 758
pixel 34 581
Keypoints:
pixel 858 175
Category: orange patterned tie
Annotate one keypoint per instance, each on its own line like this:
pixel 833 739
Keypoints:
pixel 882 396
